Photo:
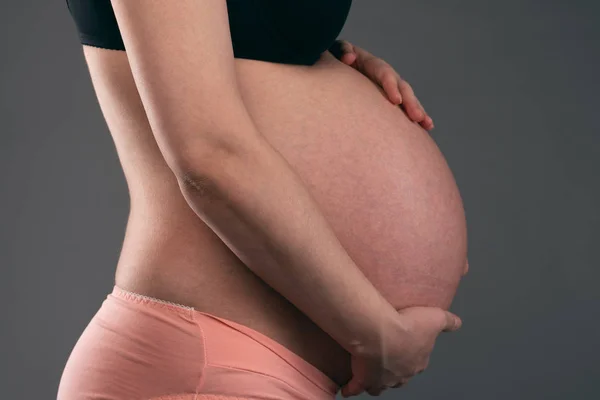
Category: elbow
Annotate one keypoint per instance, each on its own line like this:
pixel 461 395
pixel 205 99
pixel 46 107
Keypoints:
pixel 199 156
pixel 196 169
pixel 200 178
pixel 201 161
pixel 198 183
pixel 201 168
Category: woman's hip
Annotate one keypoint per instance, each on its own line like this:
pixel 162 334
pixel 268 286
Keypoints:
pixel 138 347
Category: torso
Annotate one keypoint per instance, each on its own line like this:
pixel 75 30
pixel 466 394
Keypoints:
pixel 378 177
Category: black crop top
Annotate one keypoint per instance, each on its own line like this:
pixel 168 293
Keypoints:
pixel 282 31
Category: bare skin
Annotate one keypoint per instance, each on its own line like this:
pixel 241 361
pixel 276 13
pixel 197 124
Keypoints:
pixel 378 177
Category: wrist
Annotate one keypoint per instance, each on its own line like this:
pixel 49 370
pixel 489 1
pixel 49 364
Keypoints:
pixel 385 324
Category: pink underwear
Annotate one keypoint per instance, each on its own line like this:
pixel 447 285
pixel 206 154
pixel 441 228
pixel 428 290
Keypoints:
pixel 141 348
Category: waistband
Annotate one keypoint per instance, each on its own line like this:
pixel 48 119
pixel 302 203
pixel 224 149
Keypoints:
pixel 300 364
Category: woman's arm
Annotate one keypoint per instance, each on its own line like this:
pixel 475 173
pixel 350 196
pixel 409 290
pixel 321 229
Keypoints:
pixel 182 60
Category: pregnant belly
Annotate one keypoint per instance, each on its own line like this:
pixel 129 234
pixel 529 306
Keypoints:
pixel 379 178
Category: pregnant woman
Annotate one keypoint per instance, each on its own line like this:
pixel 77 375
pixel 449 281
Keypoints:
pixel 292 231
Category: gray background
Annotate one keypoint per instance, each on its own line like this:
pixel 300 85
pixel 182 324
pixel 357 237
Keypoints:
pixel 513 90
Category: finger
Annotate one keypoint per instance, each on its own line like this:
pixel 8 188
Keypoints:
pixel 349 53
pixel 430 122
pixel 347 47
pixel 421 108
pixel 391 382
pixel 353 388
pixel 343 51
pixel 451 322
pixel 410 101
pixel 349 58
pixel 424 367
pixel 389 82
pixel 402 382
pixel 427 123
pixel 376 391
pixel 466 267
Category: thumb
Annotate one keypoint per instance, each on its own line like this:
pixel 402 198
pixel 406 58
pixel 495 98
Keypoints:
pixel 343 50
pixel 348 53
pixel 352 388
pixel 349 58
pixel 450 322
pixel 347 47
pixel 356 385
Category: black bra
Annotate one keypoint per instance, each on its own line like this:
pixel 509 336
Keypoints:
pixel 282 31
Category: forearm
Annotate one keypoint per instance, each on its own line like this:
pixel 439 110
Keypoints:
pixel 258 205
